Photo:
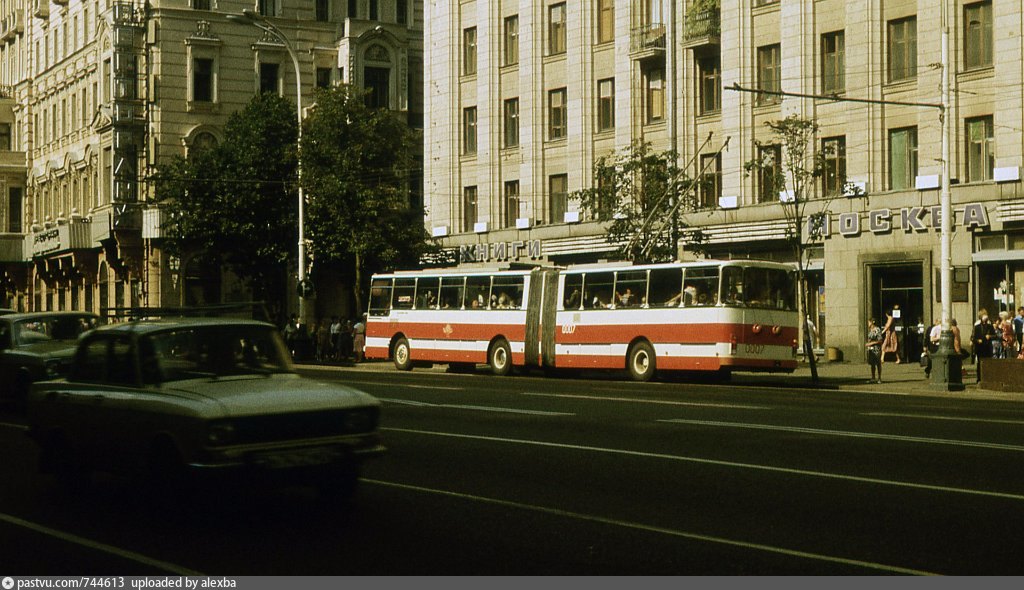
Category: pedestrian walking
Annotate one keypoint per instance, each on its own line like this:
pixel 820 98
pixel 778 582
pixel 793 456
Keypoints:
pixel 1018 328
pixel 359 339
pixel 890 338
pixel 982 337
pixel 874 350
pixel 345 340
pixel 323 342
pixel 336 328
pixel 1009 337
pixel 997 338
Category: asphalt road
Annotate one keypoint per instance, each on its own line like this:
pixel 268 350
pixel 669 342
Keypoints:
pixel 531 475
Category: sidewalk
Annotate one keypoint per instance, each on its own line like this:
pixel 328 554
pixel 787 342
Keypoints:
pixel 901 379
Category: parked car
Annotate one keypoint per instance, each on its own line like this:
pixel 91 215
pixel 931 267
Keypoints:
pixel 172 399
pixel 36 346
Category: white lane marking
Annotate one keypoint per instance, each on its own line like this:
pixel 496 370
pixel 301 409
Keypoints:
pixel 13 426
pixel 409 402
pixel 649 401
pixel 654 529
pixel 719 463
pixel 951 418
pixel 96 545
pixel 852 434
pixel 383 384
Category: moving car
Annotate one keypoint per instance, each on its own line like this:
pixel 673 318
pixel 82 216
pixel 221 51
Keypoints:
pixel 170 399
pixel 36 346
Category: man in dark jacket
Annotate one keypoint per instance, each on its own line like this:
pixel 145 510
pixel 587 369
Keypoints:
pixel 981 338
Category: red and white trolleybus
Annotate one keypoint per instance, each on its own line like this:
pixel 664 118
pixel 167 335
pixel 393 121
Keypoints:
pixel 696 316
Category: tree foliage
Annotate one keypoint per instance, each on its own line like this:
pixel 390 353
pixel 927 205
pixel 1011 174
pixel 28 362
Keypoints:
pixel 357 167
pixel 237 200
pixel 640 193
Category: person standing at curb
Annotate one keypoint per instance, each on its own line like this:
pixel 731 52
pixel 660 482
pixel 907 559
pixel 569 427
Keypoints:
pixel 981 338
pixel 890 339
pixel 874 348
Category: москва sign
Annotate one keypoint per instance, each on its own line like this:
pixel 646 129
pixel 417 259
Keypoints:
pixel 908 219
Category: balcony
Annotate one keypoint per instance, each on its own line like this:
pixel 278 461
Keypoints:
pixel 41 8
pixel 647 40
pixel 11 26
pixel 703 28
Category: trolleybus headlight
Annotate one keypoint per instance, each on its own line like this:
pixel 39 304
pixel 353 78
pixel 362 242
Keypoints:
pixel 776 330
pixel 756 328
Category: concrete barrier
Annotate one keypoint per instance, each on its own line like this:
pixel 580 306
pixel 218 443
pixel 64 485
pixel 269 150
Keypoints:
pixel 1002 375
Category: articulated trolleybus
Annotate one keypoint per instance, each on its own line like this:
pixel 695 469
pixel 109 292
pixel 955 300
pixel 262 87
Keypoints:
pixel 715 316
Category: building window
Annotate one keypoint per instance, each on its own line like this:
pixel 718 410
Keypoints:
pixel 402 12
pixel 352 12
pixel 903 49
pixel 374 9
pixel 202 80
pixel 323 77
pixel 710 84
pixel 769 175
pixel 654 94
pixel 323 10
pixel 469 209
pixel 469 130
pixel 378 82
pixel 605 21
pixel 201 4
pixel 5 137
pixel 14 211
pixel 978 35
pixel 511 122
pixel 769 73
pixel 269 78
pixel 511 40
pixel 469 51
pixel 902 158
pixel 511 203
pixel 833 62
pixel 606 104
pixel 833 176
pixel 267 7
pixel 556 29
pixel 711 180
pixel 981 154
pixel 557 114
pixel 558 193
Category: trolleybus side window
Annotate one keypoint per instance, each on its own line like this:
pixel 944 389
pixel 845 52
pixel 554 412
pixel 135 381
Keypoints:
pixel 507 291
pixel 451 292
pixel 666 287
pixel 598 290
pixel 426 292
pixel 380 296
pixel 630 288
pixel 478 292
pixel 700 286
pixel 733 292
pixel 405 289
pixel 572 295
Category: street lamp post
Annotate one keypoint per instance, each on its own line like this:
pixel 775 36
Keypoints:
pixel 251 17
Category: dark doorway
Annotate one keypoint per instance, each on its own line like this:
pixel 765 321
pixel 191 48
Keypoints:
pixel 377 81
pixel 900 285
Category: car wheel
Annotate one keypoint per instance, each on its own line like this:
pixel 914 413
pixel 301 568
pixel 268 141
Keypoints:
pixel 641 361
pixel 165 470
pixel 402 354
pixel 500 358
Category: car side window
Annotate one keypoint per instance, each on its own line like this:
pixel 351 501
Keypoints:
pixel 121 363
pixel 5 336
pixel 91 364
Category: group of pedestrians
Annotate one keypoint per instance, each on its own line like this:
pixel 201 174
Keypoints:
pixel 335 341
pixel 1001 339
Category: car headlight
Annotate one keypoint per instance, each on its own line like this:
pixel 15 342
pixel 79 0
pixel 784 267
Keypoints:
pixel 53 369
pixel 360 420
pixel 220 433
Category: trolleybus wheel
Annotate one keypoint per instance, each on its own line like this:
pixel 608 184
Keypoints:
pixel 641 362
pixel 403 361
pixel 501 358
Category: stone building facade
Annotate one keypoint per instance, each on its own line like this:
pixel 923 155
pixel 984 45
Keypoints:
pixel 95 93
pixel 524 95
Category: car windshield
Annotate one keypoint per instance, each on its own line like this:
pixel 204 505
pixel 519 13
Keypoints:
pixel 64 328
pixel 209 351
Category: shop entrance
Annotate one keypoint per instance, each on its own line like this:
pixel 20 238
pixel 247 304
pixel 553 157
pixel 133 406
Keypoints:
pixel 900 285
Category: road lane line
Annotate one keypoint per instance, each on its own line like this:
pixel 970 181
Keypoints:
pixel 96 545
pixel 720 463
pixel 444 387
pixel 851 434
pixel 934 417
pixel 654 529
pixel 410 386
pixel 13 426
pixel 419 404
pixel 649 401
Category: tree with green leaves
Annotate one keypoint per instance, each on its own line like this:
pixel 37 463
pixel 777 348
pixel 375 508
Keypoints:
pixel 640 193
pixel 238 200
pixel 793 179
pixel 357 166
